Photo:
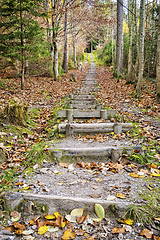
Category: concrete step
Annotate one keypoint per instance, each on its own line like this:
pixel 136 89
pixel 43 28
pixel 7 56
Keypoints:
pixel 31 204
pixel 117 128
pixel 83 102
pixel 81 96
pixel 82 106
pixel 75 113
pixel 89 154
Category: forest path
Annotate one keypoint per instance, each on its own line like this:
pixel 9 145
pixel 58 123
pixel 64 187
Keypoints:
pixel 89 168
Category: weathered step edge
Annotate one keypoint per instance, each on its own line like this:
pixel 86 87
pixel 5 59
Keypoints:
pixel 76 113
pixel 117 128
pixel 30 203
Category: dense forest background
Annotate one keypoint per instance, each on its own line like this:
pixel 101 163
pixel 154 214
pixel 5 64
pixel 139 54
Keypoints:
pixel 46 38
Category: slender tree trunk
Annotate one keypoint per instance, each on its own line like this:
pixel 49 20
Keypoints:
pixel 65 57
pixel 119 43
pixel 22 48
pixel 136 37
pixel 130 24
pixel 55 59
pixel 141 48
pixel 55 50
pixel 112 45
pixel 158 63
pixel 74 53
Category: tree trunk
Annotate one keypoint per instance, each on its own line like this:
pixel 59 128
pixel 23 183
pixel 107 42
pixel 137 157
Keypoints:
pixel 158 63
pixel 65 57
pixel 136 37
pixel 74 53
pixel 22 48
pixel 130 24
pixel 141 48
pixel 55 50
pixel 112 45
pixel 119 43
pixel 55 59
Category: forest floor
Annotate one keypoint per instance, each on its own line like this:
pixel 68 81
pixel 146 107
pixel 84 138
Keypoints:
pixel 23 157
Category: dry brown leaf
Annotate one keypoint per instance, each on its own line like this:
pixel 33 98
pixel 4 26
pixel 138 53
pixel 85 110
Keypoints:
pixel 18 225
pixel 81 219
pixel 118 230
pixel 65 165
pixel 40 223
pixel 147 233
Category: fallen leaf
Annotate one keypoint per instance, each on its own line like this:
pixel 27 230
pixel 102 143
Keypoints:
pixel 120 195
pixel 63 164
pixel 81 219
pixel 59 221
pixel 71 218
pixel 156 237
pixel 155 175
pixel 77 212
pixel 118 230
pixel 158 218
pixel 68 234
pixel 153 165
pixel 28 232
pixel 18 231
pixel 48 217
pixel 147 233
pixel 26 188
pixel 126 221
pixel 135 175
pixel 15 216
pixel 19 184
pixel 40 223
pixel 42 230
pixel 18 225
pixel 99 210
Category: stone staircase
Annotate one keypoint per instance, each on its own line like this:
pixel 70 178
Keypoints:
pixel 82 106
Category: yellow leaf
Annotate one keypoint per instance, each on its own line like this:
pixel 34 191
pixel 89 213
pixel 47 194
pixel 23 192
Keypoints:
pixel 63 225
pixel 134 175
pixel 68 234
pixel 57 214
pixel 49 217
pixel 158 219
pixel 155 175
pixel 99 180
pixel 120 195
pixel 42 230
pixel 77 212
pixel 126 221
pixel 99 210
pixel 26 188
